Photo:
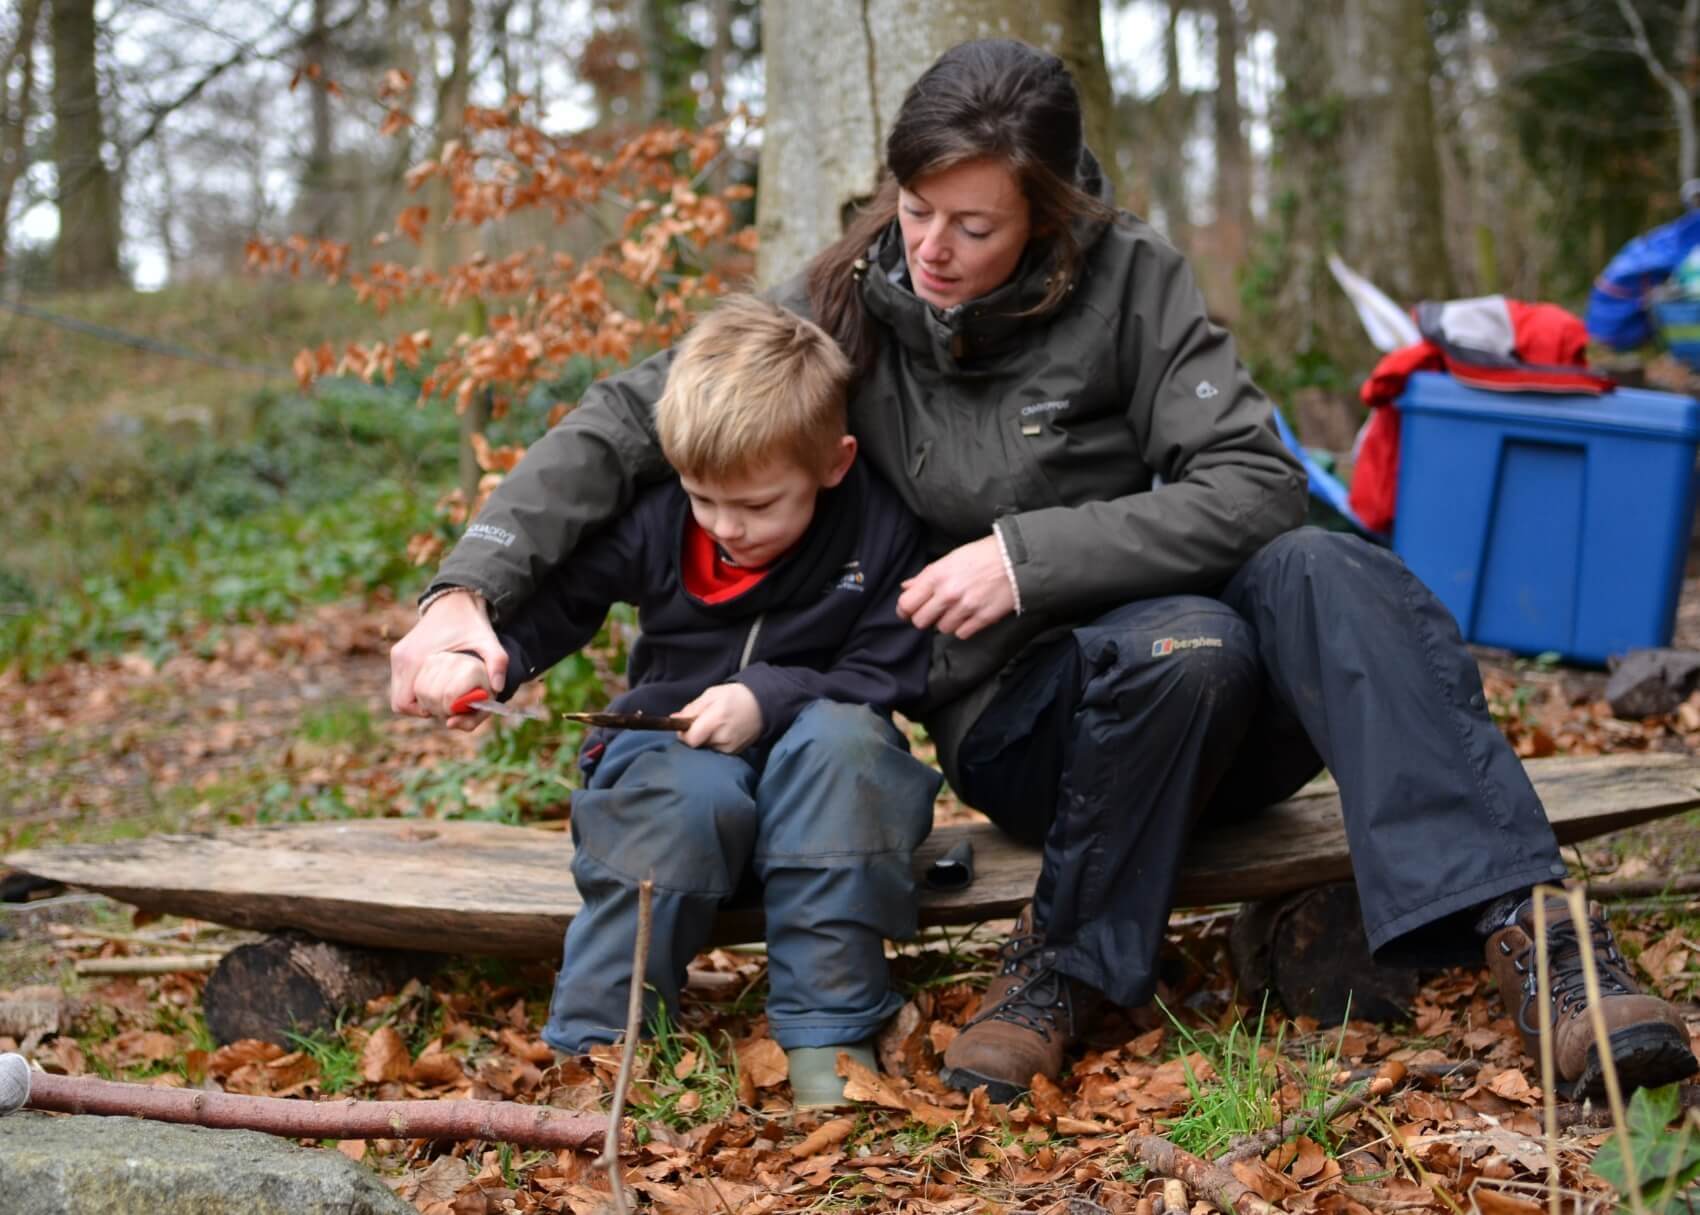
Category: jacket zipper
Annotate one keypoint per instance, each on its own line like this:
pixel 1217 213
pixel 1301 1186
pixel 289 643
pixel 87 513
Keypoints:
pixel 750 641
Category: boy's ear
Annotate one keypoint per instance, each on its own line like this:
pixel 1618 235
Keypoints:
pixel 842 459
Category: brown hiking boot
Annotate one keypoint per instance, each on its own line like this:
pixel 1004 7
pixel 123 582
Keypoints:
pixel 1649 1042
pixel 1029 1017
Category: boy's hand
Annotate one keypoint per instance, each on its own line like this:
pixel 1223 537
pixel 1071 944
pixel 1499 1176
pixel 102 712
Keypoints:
pixel 728 719
pixel 445 678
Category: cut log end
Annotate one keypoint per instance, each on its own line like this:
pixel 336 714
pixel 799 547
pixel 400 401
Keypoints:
pixel 1308 950
pixel 293 984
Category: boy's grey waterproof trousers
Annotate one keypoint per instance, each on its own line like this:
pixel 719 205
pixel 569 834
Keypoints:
pixel 827 821
pixel 1113 745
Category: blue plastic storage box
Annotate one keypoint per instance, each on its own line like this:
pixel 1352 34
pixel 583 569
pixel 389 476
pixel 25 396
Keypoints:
pixel 1548 523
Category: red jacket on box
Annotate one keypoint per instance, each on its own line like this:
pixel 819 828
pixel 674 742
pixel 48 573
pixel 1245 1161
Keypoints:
pixel 1492 342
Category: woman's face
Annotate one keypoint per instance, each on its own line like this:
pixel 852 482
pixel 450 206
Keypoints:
pixel 964 229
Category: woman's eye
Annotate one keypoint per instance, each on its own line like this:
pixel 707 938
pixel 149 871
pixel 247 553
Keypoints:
pixel 973 235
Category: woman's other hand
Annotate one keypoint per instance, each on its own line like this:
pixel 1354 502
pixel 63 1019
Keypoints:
pixel 727 719
pixel 964 591
pixel 457 621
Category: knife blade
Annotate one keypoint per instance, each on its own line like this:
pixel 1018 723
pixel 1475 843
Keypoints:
pixel 478 700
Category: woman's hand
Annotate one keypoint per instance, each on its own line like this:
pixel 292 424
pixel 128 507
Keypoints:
pixel 727 717
pixel 964 591
pixel 443 679
pixel 456 621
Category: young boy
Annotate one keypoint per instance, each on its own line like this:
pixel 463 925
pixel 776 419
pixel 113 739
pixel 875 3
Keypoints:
pixel 766 578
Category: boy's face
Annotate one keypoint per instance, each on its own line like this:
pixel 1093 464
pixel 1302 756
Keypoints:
pixel 756 518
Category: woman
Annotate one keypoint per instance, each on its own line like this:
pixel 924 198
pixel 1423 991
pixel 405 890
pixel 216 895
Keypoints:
pixel 1130 634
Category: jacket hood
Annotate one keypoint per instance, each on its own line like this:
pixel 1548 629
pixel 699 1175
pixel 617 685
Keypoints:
pixel 980 326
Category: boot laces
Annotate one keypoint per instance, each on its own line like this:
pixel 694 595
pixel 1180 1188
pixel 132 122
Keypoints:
pixel 1042 998
pixel 1020 954
pixel 1568 980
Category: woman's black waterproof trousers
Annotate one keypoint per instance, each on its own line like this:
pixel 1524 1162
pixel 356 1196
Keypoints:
pixel 1178 714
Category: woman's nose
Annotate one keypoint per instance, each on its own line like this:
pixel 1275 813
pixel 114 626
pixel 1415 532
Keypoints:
pixel 933 248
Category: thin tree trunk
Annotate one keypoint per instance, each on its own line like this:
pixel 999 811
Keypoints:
pixel 1173 111
pixel 503 47
pixel 16 110
pixel 837 71
pixel 86 254
pixel 1233 154
pixel 402 36
pixel 717 51
pixel 442 248
pixel 315 209
pixel 652 38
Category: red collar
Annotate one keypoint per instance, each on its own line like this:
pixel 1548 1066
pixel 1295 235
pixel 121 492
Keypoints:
pixel 707 573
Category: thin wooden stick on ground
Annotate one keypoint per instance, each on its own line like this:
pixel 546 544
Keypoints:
pixel 1248 1146
pixel 610 1158
pixel 538 1126
pixel 1637 888
pixel 163 964
pixel 1214 1182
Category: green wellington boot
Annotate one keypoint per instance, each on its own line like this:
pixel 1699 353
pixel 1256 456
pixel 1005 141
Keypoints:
pixel 815 1082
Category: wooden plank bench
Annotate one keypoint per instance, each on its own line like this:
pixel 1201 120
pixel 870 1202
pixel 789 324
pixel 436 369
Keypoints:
pixel 484 889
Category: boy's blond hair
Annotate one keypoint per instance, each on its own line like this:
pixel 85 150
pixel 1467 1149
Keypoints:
pixel 751 383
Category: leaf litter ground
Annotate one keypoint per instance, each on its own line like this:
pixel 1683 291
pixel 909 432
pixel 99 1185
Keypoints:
pixel 289 720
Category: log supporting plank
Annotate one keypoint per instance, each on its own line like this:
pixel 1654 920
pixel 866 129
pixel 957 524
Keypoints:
pixel 485 889
pixel 1309 951
pixel 290 983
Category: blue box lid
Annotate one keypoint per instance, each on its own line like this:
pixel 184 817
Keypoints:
pixel 1628 410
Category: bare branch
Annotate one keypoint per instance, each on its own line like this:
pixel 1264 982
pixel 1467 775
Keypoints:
pixel 1681 102
pixel 610 1158
pixel 243 52
pixel 496 1121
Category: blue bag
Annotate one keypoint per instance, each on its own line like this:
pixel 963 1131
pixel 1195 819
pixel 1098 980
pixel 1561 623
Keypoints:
pixel 1617 313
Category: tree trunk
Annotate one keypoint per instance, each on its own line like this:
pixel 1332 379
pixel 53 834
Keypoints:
pixel 316 204
pixel 1172 111
pixel 443 248
pixel 1233 154
pixel 1394 213
pixel 1357 172
pixel 716 62
pixel 652 37
pixel 1219 252
pixel 837 71
pixel 502 41
pixel 87 251
pixel 16 110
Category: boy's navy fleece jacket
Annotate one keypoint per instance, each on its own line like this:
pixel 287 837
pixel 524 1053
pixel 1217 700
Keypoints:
pixel 822 624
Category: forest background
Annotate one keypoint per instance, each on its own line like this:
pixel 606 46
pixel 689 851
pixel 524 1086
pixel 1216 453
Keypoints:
pixel 284 284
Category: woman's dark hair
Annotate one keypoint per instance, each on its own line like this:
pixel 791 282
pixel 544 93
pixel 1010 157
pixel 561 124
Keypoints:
pixel 994 98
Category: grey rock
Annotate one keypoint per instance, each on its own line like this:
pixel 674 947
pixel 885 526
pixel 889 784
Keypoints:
pixel 115 1166
pixel 1651 683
